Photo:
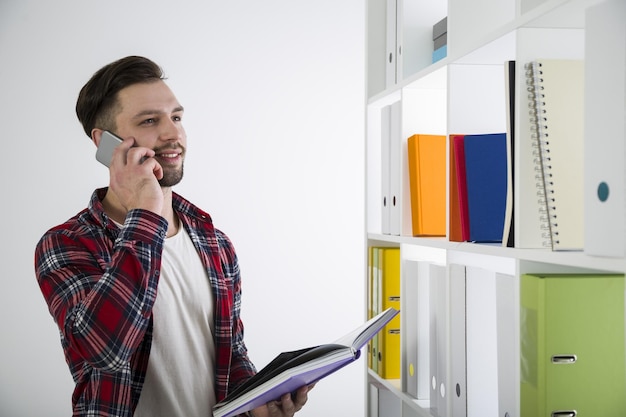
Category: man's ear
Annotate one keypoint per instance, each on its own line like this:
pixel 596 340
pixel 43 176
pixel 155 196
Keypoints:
pixel 96 135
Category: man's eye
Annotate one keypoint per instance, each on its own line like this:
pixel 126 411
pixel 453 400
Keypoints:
pixel 177 118
pixel 149 121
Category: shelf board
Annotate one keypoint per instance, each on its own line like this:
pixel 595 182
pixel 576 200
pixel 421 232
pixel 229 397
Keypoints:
pixel 422 407
pixel 574 259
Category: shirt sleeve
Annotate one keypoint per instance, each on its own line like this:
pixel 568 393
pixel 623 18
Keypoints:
pixel 99 291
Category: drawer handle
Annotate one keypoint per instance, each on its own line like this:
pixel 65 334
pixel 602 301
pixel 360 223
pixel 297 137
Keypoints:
pixel 564 359
pixel 564 413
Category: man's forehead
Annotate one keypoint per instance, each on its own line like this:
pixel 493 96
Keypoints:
pixel 154 96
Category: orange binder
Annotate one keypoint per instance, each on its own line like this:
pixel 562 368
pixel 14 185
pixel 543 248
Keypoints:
pixel 427 181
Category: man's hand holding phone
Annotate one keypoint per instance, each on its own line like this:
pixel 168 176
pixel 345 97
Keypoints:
pixel 134 173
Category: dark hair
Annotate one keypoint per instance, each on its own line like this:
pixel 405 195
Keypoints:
pixel 97 99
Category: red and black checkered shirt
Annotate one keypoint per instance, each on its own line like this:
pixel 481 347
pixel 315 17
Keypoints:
pixel 100 282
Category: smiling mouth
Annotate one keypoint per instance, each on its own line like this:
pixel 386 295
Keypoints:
pixel 170 159
pixel 168 155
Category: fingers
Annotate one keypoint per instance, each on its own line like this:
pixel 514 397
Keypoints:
pixel 301 397
pixel 289 403
pixel 287 406
pixel 129 153
pixel 157 169
pixel 139 155
pixel 126 144
pixel 277 408
pixel 134 175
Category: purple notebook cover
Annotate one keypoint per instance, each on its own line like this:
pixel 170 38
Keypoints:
pixel 292 384
pixel 298 359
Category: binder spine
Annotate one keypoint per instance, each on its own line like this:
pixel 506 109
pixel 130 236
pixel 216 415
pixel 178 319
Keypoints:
pixel 541 153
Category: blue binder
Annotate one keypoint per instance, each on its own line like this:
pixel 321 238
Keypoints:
pixel 486 176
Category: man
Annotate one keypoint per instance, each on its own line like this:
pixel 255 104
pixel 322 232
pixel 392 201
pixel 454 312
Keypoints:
pixel 145 291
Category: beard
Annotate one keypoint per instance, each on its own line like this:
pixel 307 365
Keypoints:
pixel 171 177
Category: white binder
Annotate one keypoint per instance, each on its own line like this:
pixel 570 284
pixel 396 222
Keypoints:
pixel 458 384
pixel 605 131
pixel 438 341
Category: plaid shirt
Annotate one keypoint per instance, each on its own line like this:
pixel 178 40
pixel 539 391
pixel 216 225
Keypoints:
pixel 100 283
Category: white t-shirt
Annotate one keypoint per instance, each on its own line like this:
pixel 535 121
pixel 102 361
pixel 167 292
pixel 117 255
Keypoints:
pixel 181 367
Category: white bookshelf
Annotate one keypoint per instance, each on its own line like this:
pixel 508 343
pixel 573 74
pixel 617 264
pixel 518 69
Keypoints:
pixel 464 93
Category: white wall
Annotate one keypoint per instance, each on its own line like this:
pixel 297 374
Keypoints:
pixel 273 93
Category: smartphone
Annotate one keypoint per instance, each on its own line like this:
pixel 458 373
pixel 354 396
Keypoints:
pixel 108 142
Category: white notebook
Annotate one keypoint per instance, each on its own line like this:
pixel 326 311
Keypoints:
pixel 556 111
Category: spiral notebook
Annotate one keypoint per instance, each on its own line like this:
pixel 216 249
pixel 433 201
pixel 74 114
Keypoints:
pixel 555 99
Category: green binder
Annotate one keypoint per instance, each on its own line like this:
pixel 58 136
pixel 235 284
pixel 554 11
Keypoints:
pixel 572 346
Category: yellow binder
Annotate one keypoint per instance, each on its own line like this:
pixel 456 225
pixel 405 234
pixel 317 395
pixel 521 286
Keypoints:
pixel 389 337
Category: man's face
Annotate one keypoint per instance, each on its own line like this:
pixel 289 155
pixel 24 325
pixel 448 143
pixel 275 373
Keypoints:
pixel 151 114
